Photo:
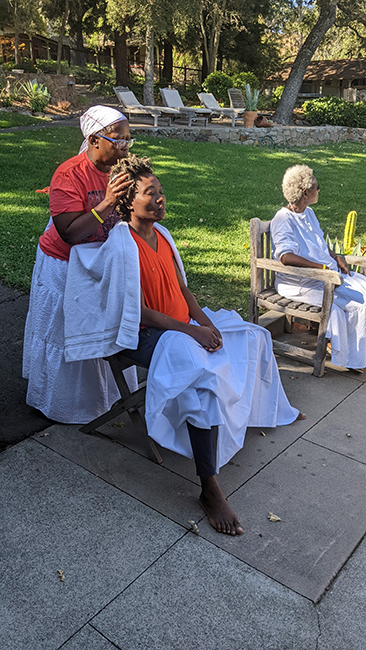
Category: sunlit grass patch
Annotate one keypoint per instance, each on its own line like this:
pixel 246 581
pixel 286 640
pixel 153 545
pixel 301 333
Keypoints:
pixel 212 193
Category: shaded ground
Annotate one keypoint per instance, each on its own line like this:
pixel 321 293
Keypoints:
pixel 17 420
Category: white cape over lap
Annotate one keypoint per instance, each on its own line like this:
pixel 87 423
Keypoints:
pixel 236 387
pixel 301 234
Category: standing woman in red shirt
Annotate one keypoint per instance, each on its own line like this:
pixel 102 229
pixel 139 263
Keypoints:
pixel 82 202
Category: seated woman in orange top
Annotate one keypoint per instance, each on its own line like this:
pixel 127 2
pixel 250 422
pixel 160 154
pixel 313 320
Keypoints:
pixel 169 309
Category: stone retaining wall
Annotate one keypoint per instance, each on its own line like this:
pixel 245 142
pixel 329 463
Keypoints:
pixel 290 136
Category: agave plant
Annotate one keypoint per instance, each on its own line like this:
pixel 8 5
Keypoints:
pixel 37 94
pixel 251 98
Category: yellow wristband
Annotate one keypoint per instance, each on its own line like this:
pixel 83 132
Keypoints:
pixel 324 266
pixel 96 215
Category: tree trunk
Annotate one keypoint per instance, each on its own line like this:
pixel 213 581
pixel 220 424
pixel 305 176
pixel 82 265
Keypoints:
pixel 204 72
pixel 326 19
pixel 16 48
pixel 121 59
pixel 211 25
pixel 76 38
pixel 149 68
pixel 61 37
pixel 168 61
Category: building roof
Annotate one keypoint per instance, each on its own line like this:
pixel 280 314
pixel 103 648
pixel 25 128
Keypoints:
pixel 323 70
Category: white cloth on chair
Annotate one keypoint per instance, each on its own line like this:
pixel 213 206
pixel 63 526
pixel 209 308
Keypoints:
pixel 236 387
pixel 302 235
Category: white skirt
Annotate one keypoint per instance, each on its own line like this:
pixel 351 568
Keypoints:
pixel 236 387
pixel 75 392
pixel 347 322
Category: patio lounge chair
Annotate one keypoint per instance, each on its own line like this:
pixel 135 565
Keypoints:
pixel 236 98
pixel 209 101
pixel 132 106
pixel 173 99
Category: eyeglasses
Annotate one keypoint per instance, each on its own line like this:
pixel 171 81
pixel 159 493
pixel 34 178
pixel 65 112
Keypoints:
pixel 119 144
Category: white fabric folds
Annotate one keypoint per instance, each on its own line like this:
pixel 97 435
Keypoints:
pixel 301 234
pixel 236 387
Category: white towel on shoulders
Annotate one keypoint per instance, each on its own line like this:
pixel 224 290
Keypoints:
pixel 102 296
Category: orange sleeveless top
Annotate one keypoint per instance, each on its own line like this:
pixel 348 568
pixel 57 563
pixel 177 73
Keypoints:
pixel 159 279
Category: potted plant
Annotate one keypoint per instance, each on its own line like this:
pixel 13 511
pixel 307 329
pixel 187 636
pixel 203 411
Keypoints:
pixel 251 101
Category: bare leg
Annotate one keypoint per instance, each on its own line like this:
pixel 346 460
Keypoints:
pixel 217 509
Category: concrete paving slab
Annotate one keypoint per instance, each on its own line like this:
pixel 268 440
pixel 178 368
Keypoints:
pixel 303 390
pixel 153 485
pixel 88 639
pixel 59 517
pixel 323 517
pixel 342 612
pixel 344 429
pixel 198 597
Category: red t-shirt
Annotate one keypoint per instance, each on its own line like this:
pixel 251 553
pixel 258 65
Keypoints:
pixel 76 186
pixel 159 280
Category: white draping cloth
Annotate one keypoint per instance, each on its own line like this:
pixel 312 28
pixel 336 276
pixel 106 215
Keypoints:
pixel 73 393
pixel 236 387
pixel 302 235
pixel 95 119
pixel 102 295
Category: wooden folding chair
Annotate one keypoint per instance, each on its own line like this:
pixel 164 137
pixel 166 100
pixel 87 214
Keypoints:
pixel 128 403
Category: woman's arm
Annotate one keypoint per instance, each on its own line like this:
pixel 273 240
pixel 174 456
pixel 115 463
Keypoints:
pixel 74 226
pixel 290 259
pixel 203 335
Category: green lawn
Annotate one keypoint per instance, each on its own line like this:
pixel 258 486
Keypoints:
pixel 212 192
pixel 7 120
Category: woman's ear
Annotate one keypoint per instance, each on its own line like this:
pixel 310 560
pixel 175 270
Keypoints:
pixel 93 140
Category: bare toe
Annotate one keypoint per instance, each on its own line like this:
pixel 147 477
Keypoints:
pixel 301 416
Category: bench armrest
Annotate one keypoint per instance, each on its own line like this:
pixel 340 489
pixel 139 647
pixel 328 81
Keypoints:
pixel 355 259
pixel 315 274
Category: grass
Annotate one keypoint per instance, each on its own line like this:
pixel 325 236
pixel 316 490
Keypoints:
pixel 8 119
pixel 212 192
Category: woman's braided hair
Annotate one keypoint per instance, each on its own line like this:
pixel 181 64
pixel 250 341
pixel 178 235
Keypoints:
pixel 135 168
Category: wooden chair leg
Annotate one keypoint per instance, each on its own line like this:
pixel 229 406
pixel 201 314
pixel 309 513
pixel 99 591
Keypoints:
pixel 321 346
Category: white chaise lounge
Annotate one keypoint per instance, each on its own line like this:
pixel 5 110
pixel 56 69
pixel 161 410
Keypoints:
pixel 132 106
pixel 209 101
pixel 172 99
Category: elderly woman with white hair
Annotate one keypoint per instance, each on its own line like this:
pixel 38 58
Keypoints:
pixel 298 240
pixel 82 202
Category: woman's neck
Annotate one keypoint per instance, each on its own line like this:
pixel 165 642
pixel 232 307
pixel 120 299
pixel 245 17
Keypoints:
pixel 101 167
pixel 145 230
pixel 299 207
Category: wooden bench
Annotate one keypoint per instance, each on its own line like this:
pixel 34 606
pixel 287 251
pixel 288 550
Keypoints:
pixel 263 295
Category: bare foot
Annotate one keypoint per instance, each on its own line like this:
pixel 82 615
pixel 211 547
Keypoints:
pixel 217 509
pixel 301 416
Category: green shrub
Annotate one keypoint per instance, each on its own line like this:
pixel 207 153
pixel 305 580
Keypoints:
pixel 49 66
pixel 335 111
pixel 242 78
pixel 276 95
pixel 218 83
pixel 37 95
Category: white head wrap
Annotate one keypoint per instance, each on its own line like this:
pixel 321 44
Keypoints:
pixel 95 119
